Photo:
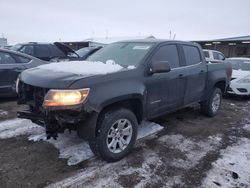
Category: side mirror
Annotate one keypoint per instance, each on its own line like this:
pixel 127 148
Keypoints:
pixel 160 67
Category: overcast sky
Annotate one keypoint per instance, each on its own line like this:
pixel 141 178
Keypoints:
pixel 74 20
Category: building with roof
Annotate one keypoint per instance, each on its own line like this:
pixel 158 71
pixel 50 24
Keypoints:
pixel 231 47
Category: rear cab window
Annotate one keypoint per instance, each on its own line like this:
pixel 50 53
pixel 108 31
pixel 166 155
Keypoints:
pixel 192 55
pixel 168 53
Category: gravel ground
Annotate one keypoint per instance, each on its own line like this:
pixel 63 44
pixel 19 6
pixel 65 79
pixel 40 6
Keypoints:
pixel 191 151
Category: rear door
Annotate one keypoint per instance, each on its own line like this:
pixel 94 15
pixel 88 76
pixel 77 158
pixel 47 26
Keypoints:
pixel 196 73
pixel 165 91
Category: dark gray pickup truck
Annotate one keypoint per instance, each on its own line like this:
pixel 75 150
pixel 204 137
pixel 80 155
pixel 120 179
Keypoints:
pixel 105 102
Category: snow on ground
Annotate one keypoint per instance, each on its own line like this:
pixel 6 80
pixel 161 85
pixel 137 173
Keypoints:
pixel 70 146
pixel 232 169
pixel 3 113
pixel 147 172
pixel 193 150
pixel 83 67
pixel 17 127
pixel 108 174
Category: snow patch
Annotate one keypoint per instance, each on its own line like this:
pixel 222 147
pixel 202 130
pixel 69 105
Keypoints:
pixel 3 113
pixel 76 150
pixel 233 168
pixel 115 171
pixel 246 127
pixel 83 67
pixel 17 127
pixel 70 146
pixel 193 150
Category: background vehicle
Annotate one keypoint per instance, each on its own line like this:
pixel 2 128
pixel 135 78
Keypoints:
pixel 214 56
pixel 46 51
pixel 240 82
pixel 11 65
pixel 87 51
pixel 106 109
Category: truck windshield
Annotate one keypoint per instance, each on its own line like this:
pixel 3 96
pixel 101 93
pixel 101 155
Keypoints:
pixel 240 65
pixel 123 53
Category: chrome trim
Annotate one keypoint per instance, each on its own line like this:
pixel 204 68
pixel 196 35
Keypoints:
pixel 187 66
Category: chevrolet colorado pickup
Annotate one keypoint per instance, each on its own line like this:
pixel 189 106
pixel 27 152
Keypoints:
pixel 105 98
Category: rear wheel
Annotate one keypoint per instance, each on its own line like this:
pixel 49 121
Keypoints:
pixel 212 105
pixel 117 132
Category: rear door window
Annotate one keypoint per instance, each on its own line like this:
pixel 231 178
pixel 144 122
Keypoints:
pixel 55 52
pixel 221 56
pixel 216 55
pixel 6 58
pixel 42 51
pixel 167 53
pixel 192 55
pixel 21 59
pixel 27 49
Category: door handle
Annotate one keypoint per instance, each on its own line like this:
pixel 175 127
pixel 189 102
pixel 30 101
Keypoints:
pixel 202 71
pixel 180 75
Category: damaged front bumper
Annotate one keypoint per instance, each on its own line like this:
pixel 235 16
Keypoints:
pixel 56 120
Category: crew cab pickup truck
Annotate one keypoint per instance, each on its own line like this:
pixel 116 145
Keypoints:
pixel 105 98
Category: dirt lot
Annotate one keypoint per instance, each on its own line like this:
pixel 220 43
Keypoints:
pixel 191 151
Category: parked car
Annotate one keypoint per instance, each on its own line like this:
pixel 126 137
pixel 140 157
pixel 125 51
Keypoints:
pixel 105 102
pixel 11 65
pixel 213 56
pixel 240 82
pixel 46 51
pixel 85 52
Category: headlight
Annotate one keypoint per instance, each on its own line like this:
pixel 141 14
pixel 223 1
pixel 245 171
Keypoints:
pixel 244 80
pixel 65 97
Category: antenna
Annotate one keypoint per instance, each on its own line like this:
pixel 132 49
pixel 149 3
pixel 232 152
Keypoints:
pixel 174 36
pixel 170 33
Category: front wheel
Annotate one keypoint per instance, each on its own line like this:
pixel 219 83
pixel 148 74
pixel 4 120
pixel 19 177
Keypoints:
pixel 116 135
pixel 212 105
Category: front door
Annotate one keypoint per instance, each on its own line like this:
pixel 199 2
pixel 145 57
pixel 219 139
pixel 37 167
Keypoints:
pixel 165 91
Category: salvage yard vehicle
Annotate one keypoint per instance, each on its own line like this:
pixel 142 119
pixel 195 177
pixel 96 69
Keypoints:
pixel 11 65
pixel 46 51
pixel 104 102
pixel 214 56
pixel 240 82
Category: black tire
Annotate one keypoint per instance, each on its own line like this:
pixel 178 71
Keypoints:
pixel 207 106
pixel 99 146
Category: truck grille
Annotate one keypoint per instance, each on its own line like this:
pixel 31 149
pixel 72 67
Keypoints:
pixel 31 95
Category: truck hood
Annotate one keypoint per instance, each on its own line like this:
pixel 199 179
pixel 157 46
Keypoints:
pixel 61 75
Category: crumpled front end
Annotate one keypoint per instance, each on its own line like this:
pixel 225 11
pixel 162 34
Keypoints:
pixel 55 120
